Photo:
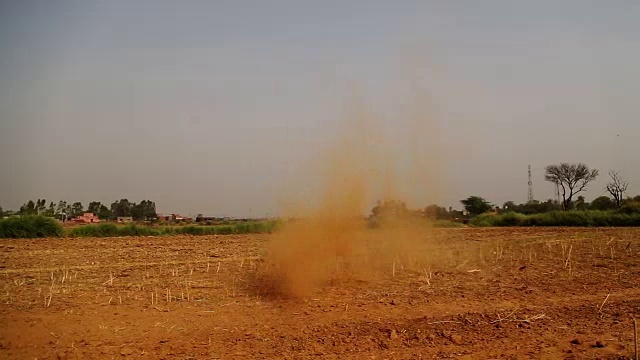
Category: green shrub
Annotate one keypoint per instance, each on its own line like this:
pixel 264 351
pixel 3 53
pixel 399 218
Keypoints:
pixel 585 218
pixel 101 230
pixel 631 207
pixel 110 229
pixel 507 219
pixel 224 230
pixel 192 230
pixel 511 219
pixel 30 226
pixel 135 230
pixel 484 220
pixel 446 224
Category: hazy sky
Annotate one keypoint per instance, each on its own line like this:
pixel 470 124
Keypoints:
pixel 211 106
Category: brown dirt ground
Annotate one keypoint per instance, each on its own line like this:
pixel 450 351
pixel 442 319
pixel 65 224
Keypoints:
pixel 507 293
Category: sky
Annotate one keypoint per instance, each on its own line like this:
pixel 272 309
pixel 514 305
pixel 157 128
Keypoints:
pixel 215 107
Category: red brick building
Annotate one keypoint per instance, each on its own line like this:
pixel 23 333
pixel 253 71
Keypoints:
pixel 86 218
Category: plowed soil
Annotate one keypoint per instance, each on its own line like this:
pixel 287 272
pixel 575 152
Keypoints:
pixel 510 293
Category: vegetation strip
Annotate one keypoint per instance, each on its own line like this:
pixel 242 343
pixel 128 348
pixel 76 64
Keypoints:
pixel 585 218
pixel 33 226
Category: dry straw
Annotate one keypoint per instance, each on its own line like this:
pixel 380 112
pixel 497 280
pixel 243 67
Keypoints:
pixel 635 338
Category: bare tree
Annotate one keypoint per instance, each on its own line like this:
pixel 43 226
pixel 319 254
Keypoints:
pixel 572 179
pixel 617 187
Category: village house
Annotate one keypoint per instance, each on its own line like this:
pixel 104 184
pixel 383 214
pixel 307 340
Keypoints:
pixel 174 218
pixel 180 218
pixel 166 218
pixel 201 218
pixel 86 218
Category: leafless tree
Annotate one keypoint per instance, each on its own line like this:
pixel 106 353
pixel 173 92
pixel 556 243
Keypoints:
pixel 572 179
pixel 617 187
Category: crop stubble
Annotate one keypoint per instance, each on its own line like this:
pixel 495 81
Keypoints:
pixel 555 293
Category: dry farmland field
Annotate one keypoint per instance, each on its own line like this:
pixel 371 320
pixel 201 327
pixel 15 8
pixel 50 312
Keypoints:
pixel 476 293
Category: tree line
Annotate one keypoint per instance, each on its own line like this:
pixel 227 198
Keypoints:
pixel 570 180
pixel 62 210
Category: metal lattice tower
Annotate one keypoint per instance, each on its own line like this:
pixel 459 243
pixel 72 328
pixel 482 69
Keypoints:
pixel 530 197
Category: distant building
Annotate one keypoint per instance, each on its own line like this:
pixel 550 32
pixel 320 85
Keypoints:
pixel 166 218
pixel 180 218
pixel 124 219
pixel 202 218
pixel 86 218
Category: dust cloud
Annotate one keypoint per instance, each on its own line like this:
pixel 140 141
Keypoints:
pixel 371 158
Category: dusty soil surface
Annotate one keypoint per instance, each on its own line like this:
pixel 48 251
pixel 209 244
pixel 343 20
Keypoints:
pixel 508 293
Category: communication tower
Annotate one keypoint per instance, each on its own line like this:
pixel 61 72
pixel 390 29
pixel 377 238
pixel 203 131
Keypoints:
pixel 530 197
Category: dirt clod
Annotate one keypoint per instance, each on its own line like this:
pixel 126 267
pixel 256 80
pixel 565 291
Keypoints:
pixel 456 339
pixel 393 335
pixel 126 351
pixel 576 342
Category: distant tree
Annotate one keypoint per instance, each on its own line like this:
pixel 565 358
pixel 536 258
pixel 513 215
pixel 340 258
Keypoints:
pixel 509 206
pixel 28 209
pixel 104 213
pixel 145 210
pixel 94 207
pixel 550 205
pixel 77 209
pixel 137 213
pixel 631 206
pixel 41 206
pixel 99 210
pixel 602 203
pixel 376 209
pixel 537 207
pixel 476 205
pixel 61 210
pixel 1 212
pixel 436 212
pixel 581 204
pixel 51 210
pixel 617 187
pixel 31 207
pixel 121 208
pixel 629 199
pixel 390 208
pixel 572 179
